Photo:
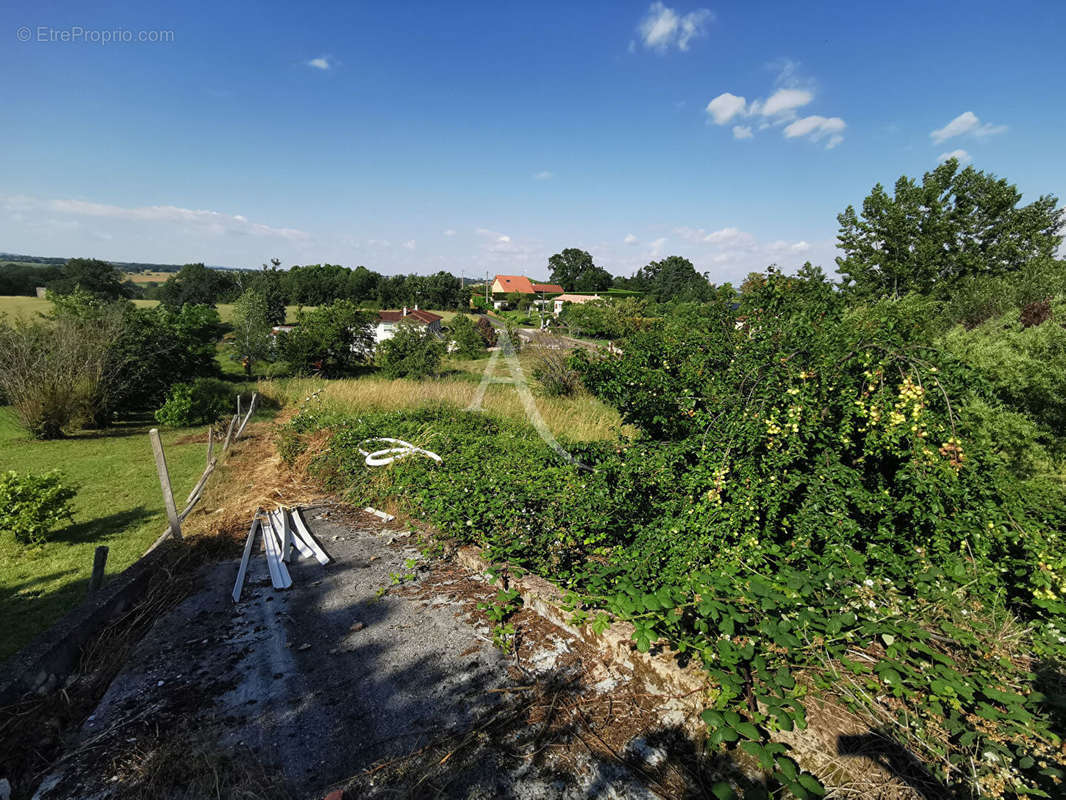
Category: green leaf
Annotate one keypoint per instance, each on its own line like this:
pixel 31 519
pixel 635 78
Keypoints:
pixel 811 784
pixel 747 730
pixel 723 791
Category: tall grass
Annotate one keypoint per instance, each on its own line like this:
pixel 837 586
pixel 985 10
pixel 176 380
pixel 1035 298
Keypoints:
pixel 579 418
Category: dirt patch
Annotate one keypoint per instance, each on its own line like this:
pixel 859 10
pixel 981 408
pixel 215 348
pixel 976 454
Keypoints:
pixel 34 731
pixel 253 476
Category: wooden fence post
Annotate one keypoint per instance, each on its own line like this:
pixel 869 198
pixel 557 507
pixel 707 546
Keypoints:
pixel 210 443
pixel 229 433
pixel 248 416
pixel 99 563
pixel 164 483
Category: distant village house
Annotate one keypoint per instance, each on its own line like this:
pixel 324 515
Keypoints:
pixel 503 285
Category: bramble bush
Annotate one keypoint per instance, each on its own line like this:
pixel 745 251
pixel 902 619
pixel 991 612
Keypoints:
pixel 816 506
pixel 31 506
pixel 201 402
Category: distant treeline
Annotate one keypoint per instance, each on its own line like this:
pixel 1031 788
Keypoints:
pixel 124 266
pixel 312 285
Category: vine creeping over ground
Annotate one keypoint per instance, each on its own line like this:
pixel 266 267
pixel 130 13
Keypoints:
pixel 816 507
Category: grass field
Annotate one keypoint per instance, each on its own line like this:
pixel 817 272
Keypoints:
pixel 580 418
pixel 118 504
pixel 148 277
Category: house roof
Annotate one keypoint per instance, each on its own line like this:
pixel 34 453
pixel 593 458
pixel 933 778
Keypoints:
pixel 523 285
pixel 415 315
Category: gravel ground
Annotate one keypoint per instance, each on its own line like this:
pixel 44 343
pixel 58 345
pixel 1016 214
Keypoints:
pixel 375 673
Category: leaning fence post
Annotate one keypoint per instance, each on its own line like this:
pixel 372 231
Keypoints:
pixel 229 433
pixel 238 405
pixel 164 483
pixel 248 416
pixel 99 563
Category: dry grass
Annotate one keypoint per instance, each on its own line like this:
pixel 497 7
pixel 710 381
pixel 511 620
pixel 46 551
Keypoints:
pixel 580 418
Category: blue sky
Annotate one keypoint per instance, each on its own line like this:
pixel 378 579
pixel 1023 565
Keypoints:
pixel 483 137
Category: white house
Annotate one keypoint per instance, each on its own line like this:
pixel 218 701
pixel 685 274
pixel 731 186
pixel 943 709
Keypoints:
pixel 388 320
pixel 573 298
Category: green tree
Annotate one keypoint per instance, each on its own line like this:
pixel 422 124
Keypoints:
pixel 94 276
pixel 331 339
pixel 670 280
pixel 465 337
pixel 954 224
pixel 195 284
pixel 251 329
pixel 575 271
pixel 412 352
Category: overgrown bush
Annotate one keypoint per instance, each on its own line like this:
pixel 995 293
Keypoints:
pixel 465 338
pixel 412 352
pixel 31 506
pixel 817 506
pixel 54 372
pixel 1025 366
pixel 551 366
pixel 201 402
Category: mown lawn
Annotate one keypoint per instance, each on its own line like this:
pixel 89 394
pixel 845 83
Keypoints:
pixel 118 504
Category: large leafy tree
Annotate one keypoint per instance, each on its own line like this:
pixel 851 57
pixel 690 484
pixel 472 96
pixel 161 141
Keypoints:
pixel 330 339
pixel 195 284
pixel 672 279
pixel 97 277
pixel 954 224
pixel 575 271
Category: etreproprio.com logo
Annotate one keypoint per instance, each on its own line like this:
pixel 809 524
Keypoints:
pixel 76 34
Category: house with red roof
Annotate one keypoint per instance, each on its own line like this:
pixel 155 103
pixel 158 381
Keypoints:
pixel 503 285
pixel 388 320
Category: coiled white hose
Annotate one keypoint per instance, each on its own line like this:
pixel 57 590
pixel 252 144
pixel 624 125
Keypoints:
pixel 379 458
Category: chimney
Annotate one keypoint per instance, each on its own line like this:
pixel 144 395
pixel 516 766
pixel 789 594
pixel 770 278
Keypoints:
pixel 405 311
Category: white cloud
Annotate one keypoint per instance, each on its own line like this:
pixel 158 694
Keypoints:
pixel 449 233
pixel 656 248
pixel 815 128
pixel 630 239
pixel 966 123
pixel 203 221
pixel 543 175
pixel 409 244
pixel 500 238
pixel 663 28
pixel 726 106
pixel 961 155
pixel 784 102
pixel 322 62
pixel 779 108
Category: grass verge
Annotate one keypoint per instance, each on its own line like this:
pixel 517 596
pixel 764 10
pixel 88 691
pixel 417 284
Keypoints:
pixel 118 504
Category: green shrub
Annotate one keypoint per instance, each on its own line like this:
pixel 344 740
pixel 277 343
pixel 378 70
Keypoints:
pixel 201 402
pixel 31 506
pixel 412 352
pixel 465 337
